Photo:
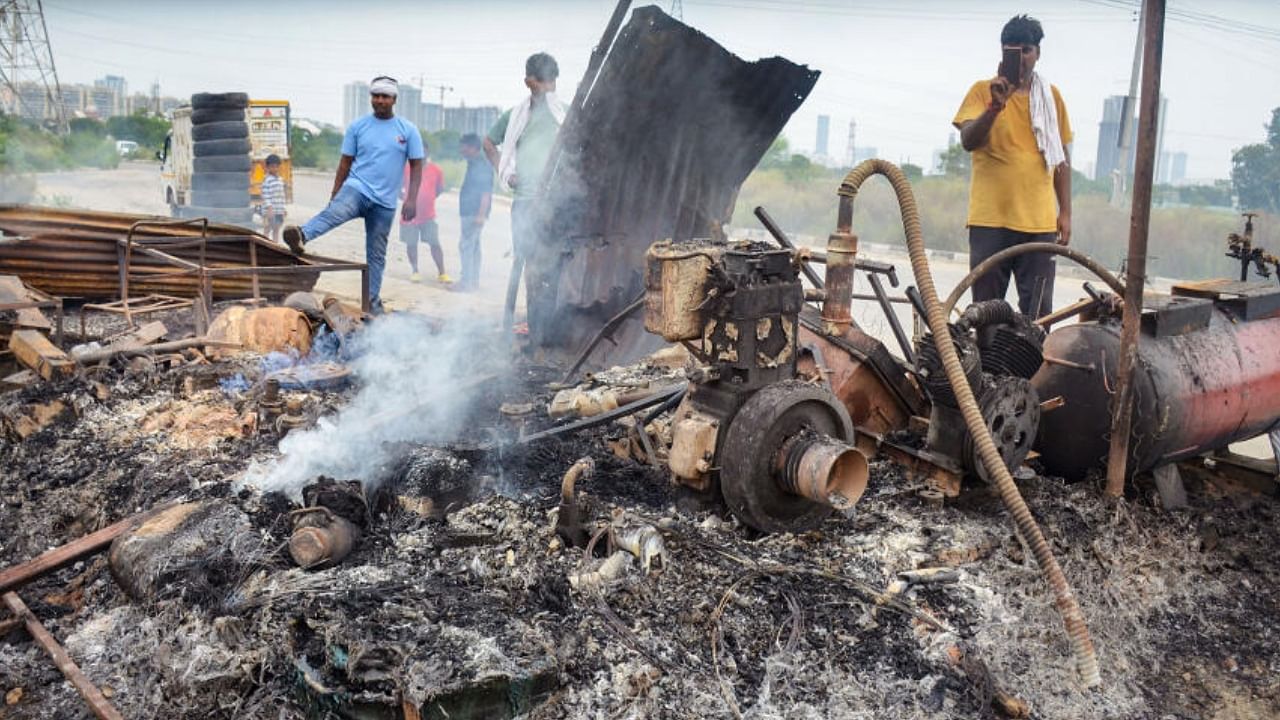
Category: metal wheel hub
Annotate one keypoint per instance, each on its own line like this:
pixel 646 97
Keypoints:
pixel 1011 408
pixel 754 442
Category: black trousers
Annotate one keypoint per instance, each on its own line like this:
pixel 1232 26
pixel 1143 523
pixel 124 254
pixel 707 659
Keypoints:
pixel 1032 272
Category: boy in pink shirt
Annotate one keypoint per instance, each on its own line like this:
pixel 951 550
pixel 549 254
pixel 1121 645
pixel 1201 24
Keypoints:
pixel 423 225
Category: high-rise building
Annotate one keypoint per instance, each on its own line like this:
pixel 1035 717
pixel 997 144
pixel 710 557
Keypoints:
pixel 114 82
pixel 355 102
pixel 824 128
pixel 850 147
pixel 409 105
pixel 432 117
pixel 1178 171
pixel 1109 131
pixel 478 120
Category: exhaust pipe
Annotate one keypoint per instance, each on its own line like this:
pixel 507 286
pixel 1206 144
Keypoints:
pixel 824 470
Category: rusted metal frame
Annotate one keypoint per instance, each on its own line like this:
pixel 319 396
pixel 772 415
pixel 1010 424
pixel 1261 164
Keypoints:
pixel 882 297
pixel 158 303
pixel 1139 225
pixel 128 252
pixel 923 466
pixel 253 279
pixel 92 695
pixel 1065 313
pixel 282 269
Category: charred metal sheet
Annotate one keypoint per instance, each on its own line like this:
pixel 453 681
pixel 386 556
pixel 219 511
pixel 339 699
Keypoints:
pixel 77 253
pixel 1164 316
pixel 1245 300
pixel 671 128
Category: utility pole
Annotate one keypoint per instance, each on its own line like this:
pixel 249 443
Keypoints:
pixel 443 89
pixel 1139 227
pixel 26 63
pixel 1120 186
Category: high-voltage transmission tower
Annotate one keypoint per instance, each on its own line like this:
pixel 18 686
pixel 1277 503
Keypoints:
pixel 28 78
pixel 677 10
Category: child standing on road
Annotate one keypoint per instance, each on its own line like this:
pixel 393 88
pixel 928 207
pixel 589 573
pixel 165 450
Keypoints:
pixel 272 199
pixel 423 226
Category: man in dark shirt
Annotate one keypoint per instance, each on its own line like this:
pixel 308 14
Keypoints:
pixel 474 200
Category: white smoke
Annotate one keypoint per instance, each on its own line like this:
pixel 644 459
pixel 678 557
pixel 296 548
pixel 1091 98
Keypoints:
pixel 416 385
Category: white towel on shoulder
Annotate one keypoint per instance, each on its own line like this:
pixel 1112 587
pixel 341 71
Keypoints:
pixel 516 123
pixel 1044 122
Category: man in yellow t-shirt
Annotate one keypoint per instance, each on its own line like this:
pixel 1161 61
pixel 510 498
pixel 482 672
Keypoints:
pixel 1020 190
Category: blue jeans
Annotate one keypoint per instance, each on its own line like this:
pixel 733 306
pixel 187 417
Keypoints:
pixel 350 204
pixel 469 249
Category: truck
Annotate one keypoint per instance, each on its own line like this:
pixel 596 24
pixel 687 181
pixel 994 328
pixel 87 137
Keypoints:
pixel 269 125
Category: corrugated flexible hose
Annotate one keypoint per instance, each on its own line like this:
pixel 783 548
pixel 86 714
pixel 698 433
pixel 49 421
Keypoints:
pixel 1072 617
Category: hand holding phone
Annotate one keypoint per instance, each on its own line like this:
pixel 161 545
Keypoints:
pixel 1011 66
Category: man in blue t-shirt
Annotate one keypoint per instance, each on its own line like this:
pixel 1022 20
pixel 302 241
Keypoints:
pixel 367 183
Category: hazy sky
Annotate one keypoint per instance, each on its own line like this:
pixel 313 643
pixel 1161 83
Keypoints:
pixel 900 68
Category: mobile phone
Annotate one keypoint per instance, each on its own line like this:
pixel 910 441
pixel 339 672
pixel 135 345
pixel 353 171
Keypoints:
pixel 1011 66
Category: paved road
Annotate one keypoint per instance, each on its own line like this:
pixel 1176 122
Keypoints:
pixel 135 187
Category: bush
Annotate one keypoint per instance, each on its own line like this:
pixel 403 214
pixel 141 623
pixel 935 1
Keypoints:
pixel 25 147
pixel 315 151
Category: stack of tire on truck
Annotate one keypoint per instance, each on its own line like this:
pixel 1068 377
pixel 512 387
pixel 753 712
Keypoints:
pixel 220 147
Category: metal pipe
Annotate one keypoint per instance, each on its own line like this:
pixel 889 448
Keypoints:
pixel 985 266
pixel 1072 617
pixel 842 251
pixel 823 469
pixel 883 298
pixel 608 417
pixel 767 221
pixel 1136 265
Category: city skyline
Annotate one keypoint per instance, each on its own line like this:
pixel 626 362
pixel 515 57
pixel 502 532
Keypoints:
pixel 903 102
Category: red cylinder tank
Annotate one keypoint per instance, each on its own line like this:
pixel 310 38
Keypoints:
pixel 1192 392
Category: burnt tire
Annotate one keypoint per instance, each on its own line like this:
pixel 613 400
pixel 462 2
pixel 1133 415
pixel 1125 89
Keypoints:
pixel 232 146
pixel 220 181
pixel 213 115
pixel 229 130
pixel 231 100
pixel 221 198
pixel 223 163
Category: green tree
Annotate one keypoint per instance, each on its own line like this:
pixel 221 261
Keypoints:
pixel 955 162
pixel 1255 171
pixel 914 173
pixel 141 127
pixel 1082 185
pixel 87 126
pixel 315 151
pixel 778 154
pixel 444 144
